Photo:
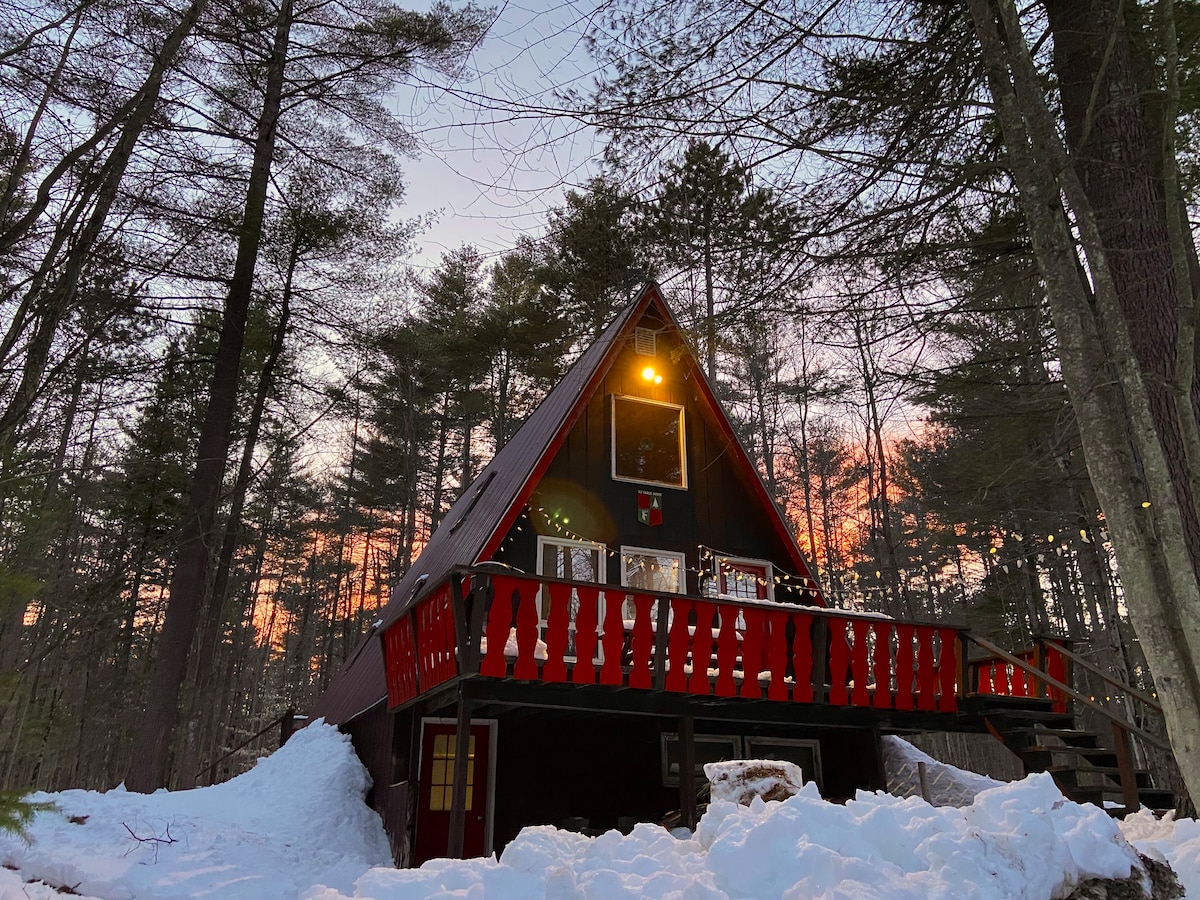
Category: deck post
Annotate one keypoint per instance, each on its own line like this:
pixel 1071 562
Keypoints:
pixel 1129 791
pixel 1042 663
pixel 458 803
pixel 462 628
pixel 287 725
pixel 687 771
pixel 403 852
pixel 964 668
pixel 820 660
pixel 661 627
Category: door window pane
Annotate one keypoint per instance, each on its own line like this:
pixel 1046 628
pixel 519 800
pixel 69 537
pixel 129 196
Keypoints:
pixel 441 778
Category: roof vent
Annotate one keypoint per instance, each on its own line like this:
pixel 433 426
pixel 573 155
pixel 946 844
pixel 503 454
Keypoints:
pixel 644 341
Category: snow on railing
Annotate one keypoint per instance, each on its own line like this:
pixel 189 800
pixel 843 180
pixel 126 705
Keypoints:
pixel 545 630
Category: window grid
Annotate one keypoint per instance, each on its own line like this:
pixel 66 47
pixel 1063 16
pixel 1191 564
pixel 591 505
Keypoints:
pixel 441 779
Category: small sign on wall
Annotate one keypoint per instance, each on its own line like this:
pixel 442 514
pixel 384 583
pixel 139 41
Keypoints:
pixel 649 507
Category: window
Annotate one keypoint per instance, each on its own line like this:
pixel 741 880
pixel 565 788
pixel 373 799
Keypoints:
pixel 647 442
pixel 804 753
pixel 708 748
pixel 441 780
pixel 572 561
pixel 746 579
pixel 652 570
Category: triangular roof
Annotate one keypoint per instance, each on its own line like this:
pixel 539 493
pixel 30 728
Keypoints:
pixel 477 523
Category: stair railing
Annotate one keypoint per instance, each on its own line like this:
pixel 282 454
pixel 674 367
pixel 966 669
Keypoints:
pixel 1109 679
pixel 1122 728
pixel 1052 682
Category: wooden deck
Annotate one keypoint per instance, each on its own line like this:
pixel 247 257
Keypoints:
pixel 527 640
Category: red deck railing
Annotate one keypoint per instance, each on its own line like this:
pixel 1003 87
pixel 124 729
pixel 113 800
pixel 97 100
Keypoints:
pixel 998 677
pixel 534 629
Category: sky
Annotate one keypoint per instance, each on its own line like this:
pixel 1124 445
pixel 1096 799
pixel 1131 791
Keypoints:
pixel 492 162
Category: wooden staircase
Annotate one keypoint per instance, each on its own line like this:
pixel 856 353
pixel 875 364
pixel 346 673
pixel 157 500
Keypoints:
pixel 1027 702
pixel 1086 767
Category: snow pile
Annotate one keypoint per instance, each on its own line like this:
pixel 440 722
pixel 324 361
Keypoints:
pixel 948 785
pixel 1175 840
pixel 296 827
pixel 295 820
pixel 1016 841
pixel 741 780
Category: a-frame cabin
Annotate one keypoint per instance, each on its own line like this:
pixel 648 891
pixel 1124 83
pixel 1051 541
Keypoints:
pixel 613 602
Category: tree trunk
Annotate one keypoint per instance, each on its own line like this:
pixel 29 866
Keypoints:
pixel 1113 405
pixel 148 770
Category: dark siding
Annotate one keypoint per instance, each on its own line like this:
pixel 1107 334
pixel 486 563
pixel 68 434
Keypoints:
pixel 552 767
pixel 717 509
pixel 373 738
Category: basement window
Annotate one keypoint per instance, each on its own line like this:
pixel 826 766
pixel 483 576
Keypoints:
pixel 647 442
pixel 707 748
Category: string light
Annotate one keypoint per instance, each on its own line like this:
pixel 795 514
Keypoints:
pixel 803 584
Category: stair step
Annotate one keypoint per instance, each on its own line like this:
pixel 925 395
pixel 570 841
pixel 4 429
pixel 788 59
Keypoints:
pixel 1047 717
pixel 1071 737
pixel 1071 774
pixel 1097 795
pixel 1096 756
pixel 1036 735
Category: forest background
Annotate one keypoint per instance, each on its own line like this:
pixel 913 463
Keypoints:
pixel 231 411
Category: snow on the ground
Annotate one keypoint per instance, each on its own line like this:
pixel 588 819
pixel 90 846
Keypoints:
pixel 948 785
pixel 1017 841
pixel 1175 840
pixel 295 820
pixel 296 827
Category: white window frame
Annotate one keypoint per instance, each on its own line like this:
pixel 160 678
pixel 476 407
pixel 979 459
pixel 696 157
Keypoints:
pixel 602 565
pixel 543 541
pixel 765 564
pixel 683 473
pixel 681 583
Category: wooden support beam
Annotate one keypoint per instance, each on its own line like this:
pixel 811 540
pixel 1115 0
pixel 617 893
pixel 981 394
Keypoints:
pixel 820 661
pixel 287 725
pixel 1129 791
pixel 661 627
pixel 458 803
pixel 403 849
pixel 687 771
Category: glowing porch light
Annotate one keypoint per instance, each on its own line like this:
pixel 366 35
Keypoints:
pixel 652 376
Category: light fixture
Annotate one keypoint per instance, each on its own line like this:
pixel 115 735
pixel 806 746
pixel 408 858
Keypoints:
pixel 652 376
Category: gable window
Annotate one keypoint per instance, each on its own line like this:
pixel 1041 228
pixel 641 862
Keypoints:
pixel 647 442
pixel 746 579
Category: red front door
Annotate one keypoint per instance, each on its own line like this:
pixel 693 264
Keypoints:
pixel 436 790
